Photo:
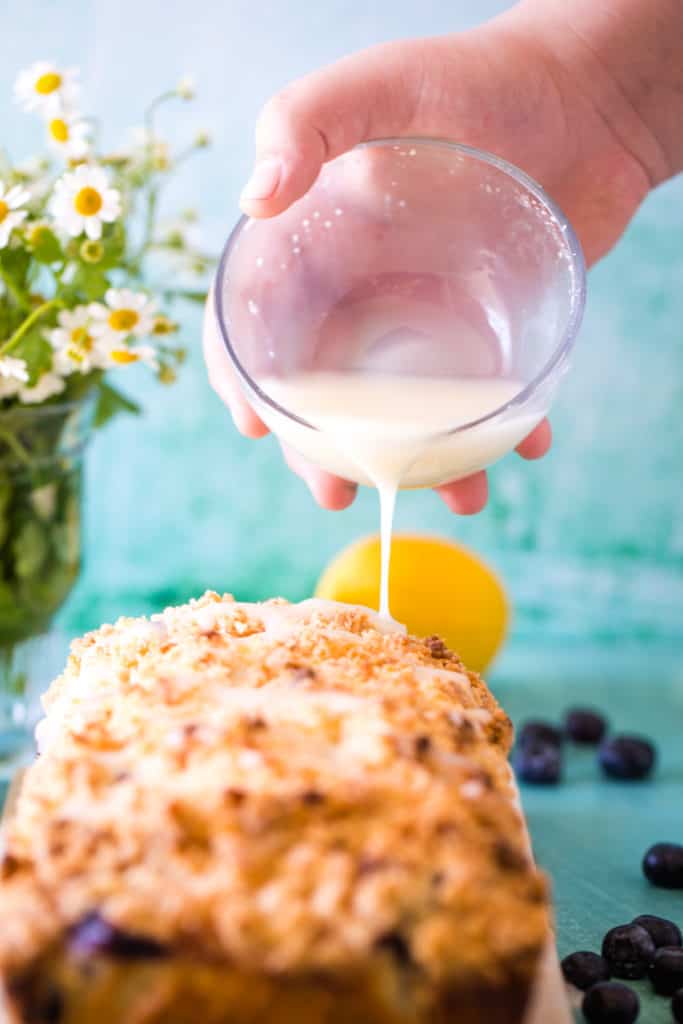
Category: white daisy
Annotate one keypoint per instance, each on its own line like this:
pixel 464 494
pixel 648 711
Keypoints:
pixel 83 201
pixel 68 134
pixel 179 234
pixel 141 354
pixel 47 385
pixel 13 374
pixel 147 146
pixel 46 88
pixel 33 175
pixel 75 345
pixel 10 214
pixel 128 314
pixel 186 88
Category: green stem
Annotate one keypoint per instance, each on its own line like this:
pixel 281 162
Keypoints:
pixel 17 447
pixel 150 214
pixel 151 110
pixel 28 323
pixel 185 153
pixel 152 201
pixel 14 289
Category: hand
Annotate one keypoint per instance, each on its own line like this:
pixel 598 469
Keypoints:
pixel 516 87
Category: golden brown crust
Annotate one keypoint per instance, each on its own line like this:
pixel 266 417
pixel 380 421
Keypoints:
pixel 288 790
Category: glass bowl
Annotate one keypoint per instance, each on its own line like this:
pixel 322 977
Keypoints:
pixel 423 296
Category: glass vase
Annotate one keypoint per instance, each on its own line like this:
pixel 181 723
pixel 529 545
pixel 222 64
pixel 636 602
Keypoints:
pixel 41 459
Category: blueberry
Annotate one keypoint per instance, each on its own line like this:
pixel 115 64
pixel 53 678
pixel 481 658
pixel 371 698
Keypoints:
pixel 627 757
pixel 37 1002
pixel 677 1006
pixel 663 932
pixel 663 865
pixel 582 725
pixel 93 936
pixel 535 732
pixel 397 947
pixel 610 1003
pixel 539 763
pixel 629 950
pixel 583 969
pixel 666 970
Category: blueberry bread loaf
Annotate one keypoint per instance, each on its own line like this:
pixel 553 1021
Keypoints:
pixel 268 813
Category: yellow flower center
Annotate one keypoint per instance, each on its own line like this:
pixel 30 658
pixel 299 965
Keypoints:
pixel 123 319
pixel 4 210
pixel 81 338
pixel 59 130
pixel 162 325
pixel 48 83
pixel 91 252
pixel 88 201
pixel 123 356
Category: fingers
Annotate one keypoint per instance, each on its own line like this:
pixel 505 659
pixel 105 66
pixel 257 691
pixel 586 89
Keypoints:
pixel 330 492
pixel 222 377
pixel 368 95
pixel 537 443
pixel 467 496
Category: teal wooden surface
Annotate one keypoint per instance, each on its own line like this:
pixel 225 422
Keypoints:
pixel 589 542
pixel 589 833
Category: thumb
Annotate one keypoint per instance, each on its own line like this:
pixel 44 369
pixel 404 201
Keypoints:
pixel 368 95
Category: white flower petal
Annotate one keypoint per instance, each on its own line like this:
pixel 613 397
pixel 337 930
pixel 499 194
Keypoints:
pixel 13 369
pixel 48 385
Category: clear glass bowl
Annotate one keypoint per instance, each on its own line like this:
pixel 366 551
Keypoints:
pixel 417 259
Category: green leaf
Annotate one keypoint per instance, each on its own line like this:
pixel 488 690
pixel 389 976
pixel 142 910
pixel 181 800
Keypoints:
pixel 18 682
pixel 45 246
pixel 30 549
pixel 44 500
pixel 114 248
pixel 42 595
pixel 111 402
pixel 5 493
pixel 16 262
pixel 5 499
pixel 66 536
pixel 37 351
pixel 91 281
pixel 78 385
pixel 12 615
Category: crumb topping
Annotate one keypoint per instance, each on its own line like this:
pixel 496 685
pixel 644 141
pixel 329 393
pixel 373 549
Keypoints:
pixel 281 787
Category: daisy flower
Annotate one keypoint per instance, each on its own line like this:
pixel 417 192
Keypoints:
pixel 147 146
pixel 33 175
pixel 83 201
pixel 127 314
pixel 68 134
pixel 13 374
pixel 47 385
pixel 76 347
pixel 46 88
pixel 10 214
pixel 142 354
pixel 186 88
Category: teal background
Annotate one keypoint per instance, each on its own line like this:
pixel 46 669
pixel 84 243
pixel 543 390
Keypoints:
pixel 589 542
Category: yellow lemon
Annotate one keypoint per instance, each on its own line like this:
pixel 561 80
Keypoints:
pixel 437 587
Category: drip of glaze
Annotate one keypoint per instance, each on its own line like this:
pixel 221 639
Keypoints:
pixel 392 431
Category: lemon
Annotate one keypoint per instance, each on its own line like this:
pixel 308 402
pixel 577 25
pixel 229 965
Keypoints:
pixel 437 587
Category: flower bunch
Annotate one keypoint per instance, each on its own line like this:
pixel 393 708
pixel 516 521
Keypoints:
pixel 74 247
